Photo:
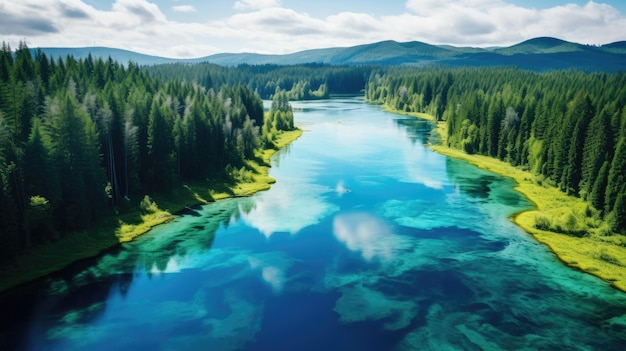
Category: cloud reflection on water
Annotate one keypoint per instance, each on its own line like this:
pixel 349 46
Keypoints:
pixel 289 207
pixel 361 298
pixel 274 275
pixel 425 167
pixel 367 234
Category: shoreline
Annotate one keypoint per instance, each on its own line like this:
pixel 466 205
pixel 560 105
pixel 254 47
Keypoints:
pixel 601 256
pixel 114 231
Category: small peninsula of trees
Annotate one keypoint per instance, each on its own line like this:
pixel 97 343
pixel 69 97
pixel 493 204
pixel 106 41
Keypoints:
pixel 81 139
pixel 568 127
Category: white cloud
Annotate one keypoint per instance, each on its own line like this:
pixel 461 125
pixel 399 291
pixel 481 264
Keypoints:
pixel 496 22
pixel 355 25
pixel 463 22
pixel 142 10
pixel 276 20
pixel 184 8
pixel 266 27
pixel 245 5
pixel 426 7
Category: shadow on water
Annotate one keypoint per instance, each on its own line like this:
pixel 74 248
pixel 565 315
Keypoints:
pixel 417 130
pixel 79 294
pixel 474 184
pixel 482 185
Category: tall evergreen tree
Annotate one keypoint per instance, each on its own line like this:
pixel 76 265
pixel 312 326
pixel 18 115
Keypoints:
pixel 583 110
pixel 618 223
pixel 131 155
pixel 596 150
pixel 617 175
pixel 159 146
pixel 597 195
pixel 9 226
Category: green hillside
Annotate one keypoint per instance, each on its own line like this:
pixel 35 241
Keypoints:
pixel 538 54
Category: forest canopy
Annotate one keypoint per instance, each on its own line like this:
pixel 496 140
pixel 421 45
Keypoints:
pixel 302 82
pixel 81 139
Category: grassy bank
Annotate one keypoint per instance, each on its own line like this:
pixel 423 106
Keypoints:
pixel 569 226
pixel 421 115
pixel 572 231
pixel 114 230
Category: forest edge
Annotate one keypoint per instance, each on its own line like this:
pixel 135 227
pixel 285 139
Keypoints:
pixel 598 256
pixel 593 255
pixel 44 260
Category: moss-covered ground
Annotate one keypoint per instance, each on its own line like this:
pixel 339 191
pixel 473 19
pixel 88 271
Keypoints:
pixel 116 229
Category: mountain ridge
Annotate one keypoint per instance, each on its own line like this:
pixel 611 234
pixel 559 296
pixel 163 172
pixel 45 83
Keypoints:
pixel 541 53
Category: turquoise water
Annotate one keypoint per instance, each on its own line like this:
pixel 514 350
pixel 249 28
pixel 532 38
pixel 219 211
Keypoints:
pixel 368 241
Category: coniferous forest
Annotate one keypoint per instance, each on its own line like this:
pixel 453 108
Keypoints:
pixel 301 82
pixel 82 139
pixel 568 127
pixel 89 138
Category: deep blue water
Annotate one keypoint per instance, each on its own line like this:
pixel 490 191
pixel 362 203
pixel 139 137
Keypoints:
pixel 368 241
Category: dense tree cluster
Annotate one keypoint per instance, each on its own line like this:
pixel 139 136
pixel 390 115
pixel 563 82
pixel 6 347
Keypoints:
pixel 79 138
pixel 302 82
pixel 567 126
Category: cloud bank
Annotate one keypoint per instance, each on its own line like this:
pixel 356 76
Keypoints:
pixel 184 8
pixel 266 26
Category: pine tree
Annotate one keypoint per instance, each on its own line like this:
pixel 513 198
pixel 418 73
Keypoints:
pixel 597 195
pixel 9 226
pixel 131 154
pixel 618 224
pixel 597 147
pixel 495 115
pixel 249 136
pixel 68 134
pixel 584 111
pixel 617 175
pixel 159 146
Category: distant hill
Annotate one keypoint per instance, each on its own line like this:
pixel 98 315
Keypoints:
pixel 617 47
pixel 119 55
pixel 538 54
pixel 544 45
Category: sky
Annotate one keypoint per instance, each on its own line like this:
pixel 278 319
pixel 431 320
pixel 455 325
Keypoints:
pixel 197 28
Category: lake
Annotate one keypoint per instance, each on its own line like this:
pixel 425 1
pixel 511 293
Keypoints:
pixel 367 241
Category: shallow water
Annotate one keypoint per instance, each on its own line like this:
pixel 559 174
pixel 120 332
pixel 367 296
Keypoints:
pixel 368 241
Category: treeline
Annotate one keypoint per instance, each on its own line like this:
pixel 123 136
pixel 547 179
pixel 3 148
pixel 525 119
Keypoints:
pixel 80 139
pixel 302 82
pixel 568 127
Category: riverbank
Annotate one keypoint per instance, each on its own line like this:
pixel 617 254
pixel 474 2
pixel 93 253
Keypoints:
pixel 115 230
pixel 580 240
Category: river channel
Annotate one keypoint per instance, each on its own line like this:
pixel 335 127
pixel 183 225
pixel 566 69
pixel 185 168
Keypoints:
pixel 367 241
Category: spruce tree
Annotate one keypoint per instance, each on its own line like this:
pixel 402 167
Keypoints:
pixel 617 175
pixel 598 146
pixel 597 194
pixel 584 111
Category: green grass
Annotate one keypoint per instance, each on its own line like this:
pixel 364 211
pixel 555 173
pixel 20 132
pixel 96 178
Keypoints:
pixel 113 230
pixel 581 244
pixel 569 226
pixel 421 115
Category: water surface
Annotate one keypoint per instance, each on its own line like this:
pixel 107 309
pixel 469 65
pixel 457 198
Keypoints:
pixel 368 241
